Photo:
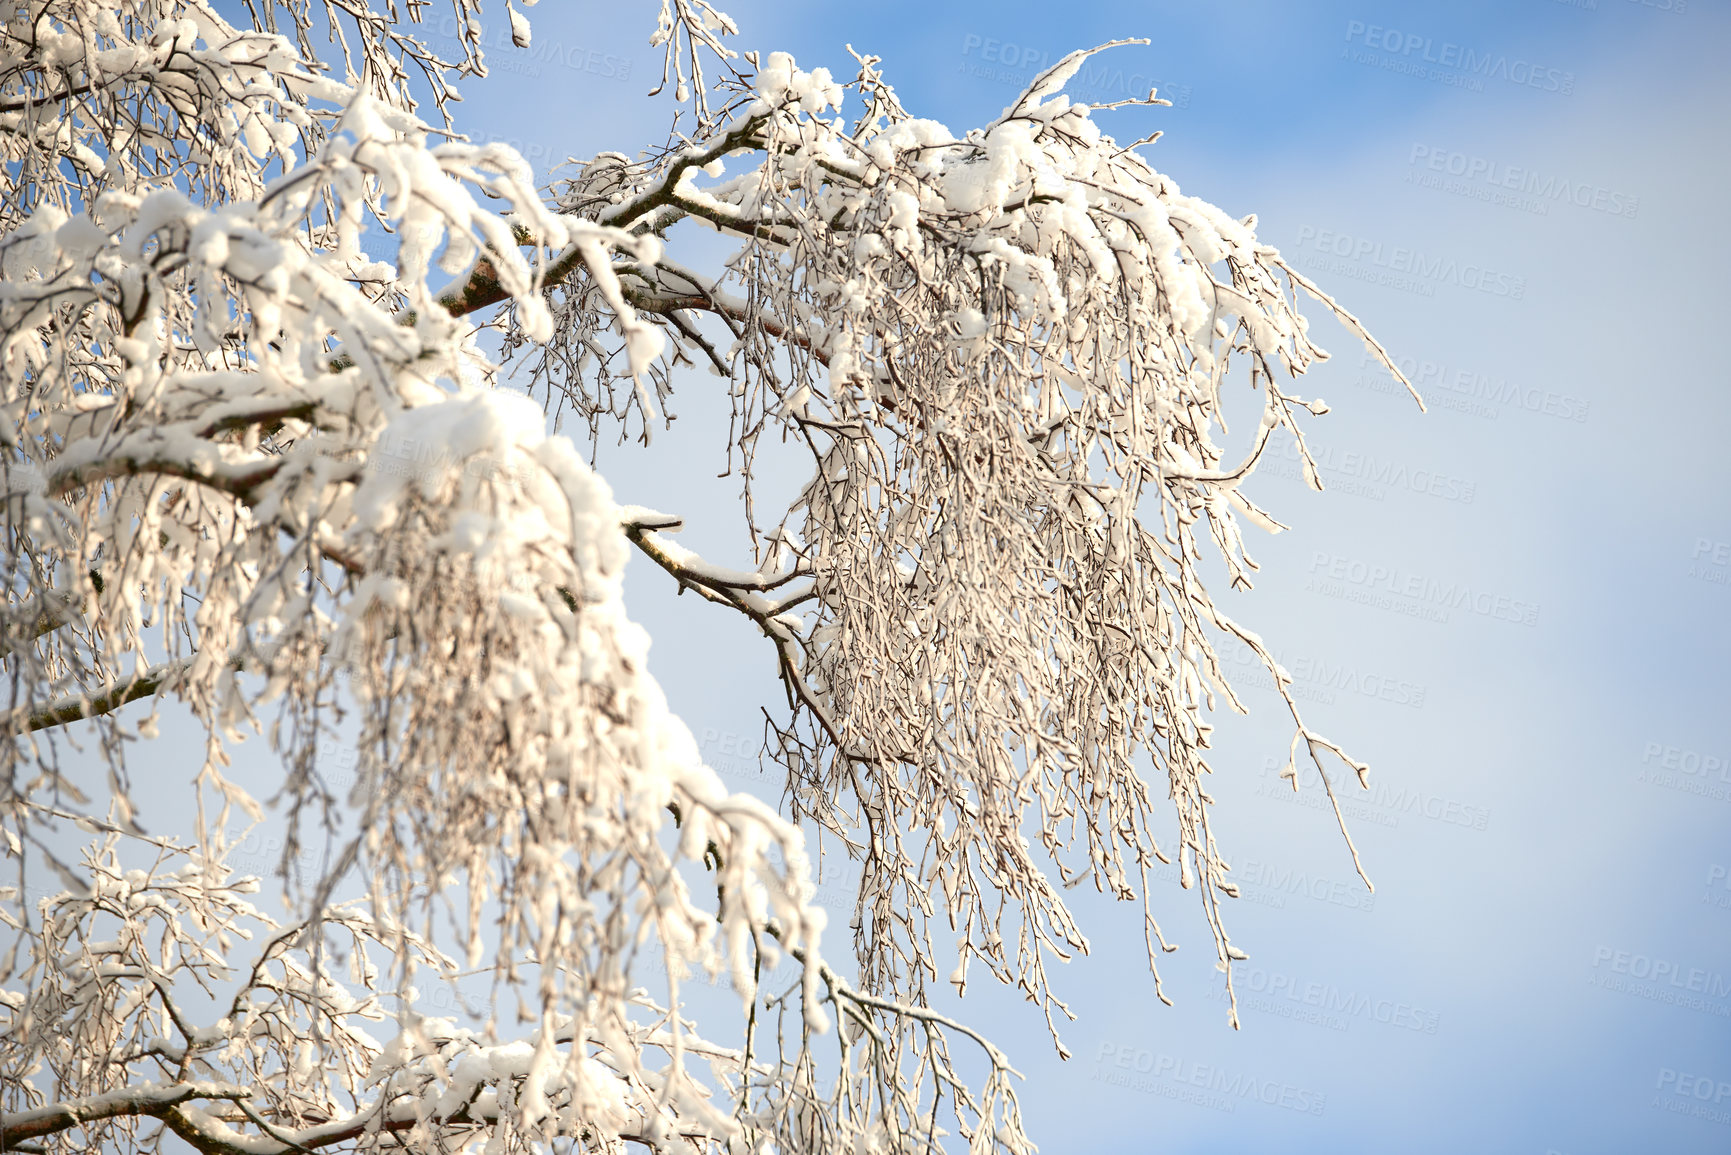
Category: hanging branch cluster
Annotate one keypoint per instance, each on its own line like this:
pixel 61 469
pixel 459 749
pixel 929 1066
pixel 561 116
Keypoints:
pixel 260 471
pixel 1006 354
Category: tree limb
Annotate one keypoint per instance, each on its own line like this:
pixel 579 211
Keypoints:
pixel 157 1101
pixel 240 481
pixel 77 707
pixel 482 287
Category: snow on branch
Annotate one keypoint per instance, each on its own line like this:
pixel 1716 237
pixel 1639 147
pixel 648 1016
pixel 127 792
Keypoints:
pixel 266 474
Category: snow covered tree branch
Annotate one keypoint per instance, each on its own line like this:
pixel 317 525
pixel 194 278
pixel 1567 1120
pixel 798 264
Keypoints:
pixel 256 464
pixel 1006 353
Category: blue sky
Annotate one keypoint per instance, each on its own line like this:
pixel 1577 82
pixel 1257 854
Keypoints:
pixel 1549 833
